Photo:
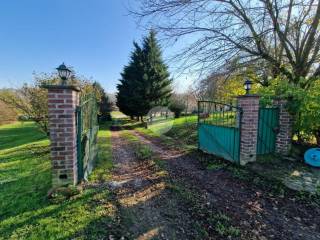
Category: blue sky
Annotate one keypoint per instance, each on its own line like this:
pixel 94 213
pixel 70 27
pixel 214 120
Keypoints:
pixel 93 36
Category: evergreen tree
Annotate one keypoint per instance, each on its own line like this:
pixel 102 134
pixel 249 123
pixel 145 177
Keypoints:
pixel 105 105
pixel 145 81
pixel 156 76
pixel 128 94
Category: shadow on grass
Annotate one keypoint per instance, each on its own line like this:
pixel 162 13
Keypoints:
pixel 14 135
pixel 60 221
pixel 25 178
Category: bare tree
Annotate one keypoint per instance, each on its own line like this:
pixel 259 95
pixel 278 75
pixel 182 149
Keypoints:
pixel 281 35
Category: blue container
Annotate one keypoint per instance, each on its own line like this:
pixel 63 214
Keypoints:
pixel 312 157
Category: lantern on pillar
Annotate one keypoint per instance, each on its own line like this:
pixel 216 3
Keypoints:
pixel 247 86
pixel 64 73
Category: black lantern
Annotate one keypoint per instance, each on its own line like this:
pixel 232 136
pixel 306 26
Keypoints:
pixel 247 86
pixel 64 73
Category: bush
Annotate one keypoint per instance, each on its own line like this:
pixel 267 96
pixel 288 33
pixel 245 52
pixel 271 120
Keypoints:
pixel 24 118
pixel 304 105
pixel 176 107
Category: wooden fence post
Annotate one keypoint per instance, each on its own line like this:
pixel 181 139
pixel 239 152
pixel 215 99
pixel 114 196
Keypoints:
pixel 62 103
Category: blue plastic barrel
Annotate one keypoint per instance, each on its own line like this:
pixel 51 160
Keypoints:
pixel 312 157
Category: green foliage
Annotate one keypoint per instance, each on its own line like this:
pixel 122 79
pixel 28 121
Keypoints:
pixel 304 105
pixel 143 152
pixel 105 106
pixel 222 225
pixel 177 107
pixel 145 81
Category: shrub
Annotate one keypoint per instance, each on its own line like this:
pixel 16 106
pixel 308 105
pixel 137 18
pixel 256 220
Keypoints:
pixel 176 107
pixel 304 105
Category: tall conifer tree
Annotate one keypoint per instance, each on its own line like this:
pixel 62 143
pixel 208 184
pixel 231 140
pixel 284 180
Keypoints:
pixel 145 81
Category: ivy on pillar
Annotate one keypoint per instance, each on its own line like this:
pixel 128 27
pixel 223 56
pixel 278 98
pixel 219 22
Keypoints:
pixel 249 127
pixel 62 103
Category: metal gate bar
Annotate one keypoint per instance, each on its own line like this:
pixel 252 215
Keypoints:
pixel 219 129
pixel 267 130
pixel 87 131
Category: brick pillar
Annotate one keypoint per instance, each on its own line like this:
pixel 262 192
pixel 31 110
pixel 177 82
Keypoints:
pixel 249 127
pixel 284 137
pixel 62 103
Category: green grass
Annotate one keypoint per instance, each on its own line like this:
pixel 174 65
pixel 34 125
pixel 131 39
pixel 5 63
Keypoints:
pixel 25 178
pixel 117 114
pixel 104 164
pixel 143 152
pixel 17 134
pixel 183 132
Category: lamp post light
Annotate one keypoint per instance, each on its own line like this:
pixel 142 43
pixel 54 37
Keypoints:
pixel 64 73
pixel 247 86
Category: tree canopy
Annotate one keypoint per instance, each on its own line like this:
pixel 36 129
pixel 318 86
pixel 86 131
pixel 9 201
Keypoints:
pixel 105 105
pixel 278 37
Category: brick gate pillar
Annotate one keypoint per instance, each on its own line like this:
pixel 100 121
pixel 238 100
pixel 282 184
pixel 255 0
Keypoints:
pixel 249 127
pixel 284 137
pixel 62 103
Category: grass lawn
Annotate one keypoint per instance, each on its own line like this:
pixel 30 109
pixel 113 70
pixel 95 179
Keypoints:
pixel 25 178
pixel 182 130
pixel 117 114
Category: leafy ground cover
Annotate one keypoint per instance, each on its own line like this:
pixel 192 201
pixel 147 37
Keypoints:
pixel 25 179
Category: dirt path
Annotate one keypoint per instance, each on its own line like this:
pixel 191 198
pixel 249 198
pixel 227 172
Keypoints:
pixel 148 210
pixel 258 214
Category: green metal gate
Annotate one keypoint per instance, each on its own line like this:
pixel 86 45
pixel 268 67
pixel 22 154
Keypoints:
pixel 268 129
pixel 87 133
pixel 219 129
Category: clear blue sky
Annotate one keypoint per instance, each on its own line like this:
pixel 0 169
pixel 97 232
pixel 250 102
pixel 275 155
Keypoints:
pixel 93 36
